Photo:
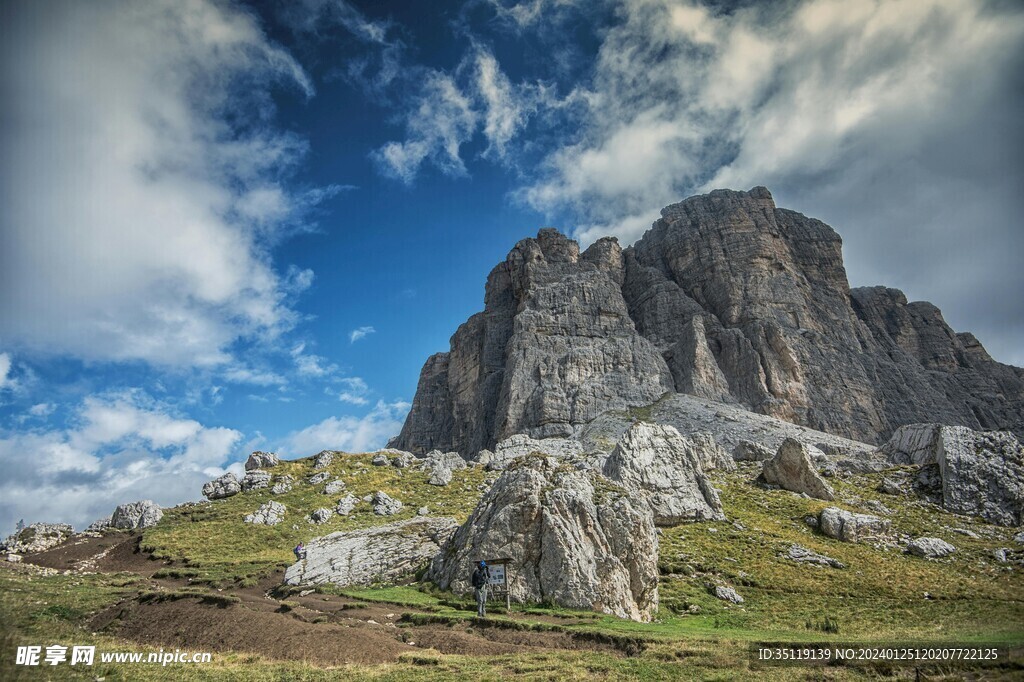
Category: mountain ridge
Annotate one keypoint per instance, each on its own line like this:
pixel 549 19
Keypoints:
pixel 726 297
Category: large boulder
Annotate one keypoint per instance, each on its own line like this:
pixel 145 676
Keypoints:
pixel 37 537
pixel 323 459
pixel 657 464
pixel 141 514
pixel 380 554
pixel 792 469
pixel 385 505
pixel 930 548
pixel 850 527
pixel 521 445
pixel 282 485
pixel 255 480
pixel 219 488
pixel 436 458
pixel 973 472
pixel 261 460
pixel 268 514
pixel 575 539
pixel 712 455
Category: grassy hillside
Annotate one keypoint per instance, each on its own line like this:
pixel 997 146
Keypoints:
pixel 883 595
pixel 210 542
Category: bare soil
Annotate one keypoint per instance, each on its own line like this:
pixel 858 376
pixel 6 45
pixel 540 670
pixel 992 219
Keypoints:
pixel 318 628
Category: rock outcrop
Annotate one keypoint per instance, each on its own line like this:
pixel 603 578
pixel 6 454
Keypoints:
pixel 574 537
pixel 385 505
pixel 261 460
pixel 268 514
pixel 792 469
pixel 850 527
pixel 930 548
pixel 727 298
pixel 141 514
pixel 255 479
pixel 37 537
pixel 658 465
pixel 978 473
pixel 219 488
pixel 380 554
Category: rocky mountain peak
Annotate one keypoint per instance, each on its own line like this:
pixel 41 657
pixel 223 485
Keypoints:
pixel 727 297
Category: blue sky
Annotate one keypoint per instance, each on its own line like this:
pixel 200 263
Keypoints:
pixel 232 226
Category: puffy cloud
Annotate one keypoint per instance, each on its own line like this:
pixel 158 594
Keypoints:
pixel 350 434
pixel 360 333
pixel 143 180
pixel 120 447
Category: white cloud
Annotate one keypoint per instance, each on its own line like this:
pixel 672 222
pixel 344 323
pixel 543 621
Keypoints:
pixel 349 434
pixel 5 370
pixel 241 374
pixel 310 365
pixel 120 448
pixel 355 391
pixel 360 333
pixel 42 409
pixel 441 119
pixel 504 109
pixel 142 180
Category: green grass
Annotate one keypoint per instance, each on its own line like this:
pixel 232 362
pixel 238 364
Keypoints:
pixel 217 547
pixel 878 597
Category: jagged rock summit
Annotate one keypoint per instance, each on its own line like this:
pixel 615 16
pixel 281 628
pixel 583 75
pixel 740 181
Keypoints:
pixel 727 297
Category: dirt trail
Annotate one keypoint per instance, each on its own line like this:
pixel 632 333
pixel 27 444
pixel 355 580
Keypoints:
pixel 323 629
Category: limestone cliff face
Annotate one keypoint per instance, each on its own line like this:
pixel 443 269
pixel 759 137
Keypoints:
pixel 726 297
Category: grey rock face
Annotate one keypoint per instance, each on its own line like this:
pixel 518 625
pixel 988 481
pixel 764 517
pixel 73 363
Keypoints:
pixel 450 460
pixel 401 459
pixel 521 445
pixel 747 451
pixel 99 524
pixel 261 460
pixel 322 515
pixel 441 475
pixel 575 539
pixel 346 505
pixel 335 486
pixel 658 465
pixel 323 459
pixel 727 594
pixel 268 514
pixel 979 473
pixel 803 555
pixel 225 486
pixel 930 548
pixel 380 460
pixel 282 485
pixel 554 346
pixel 255 480
pixel 727 298
pixel 37 537
pixel 791 469
pixel 385 505
pixel 386 553
pixel 850 527
pixel 317 479
pixel 141 514
pixel 712 455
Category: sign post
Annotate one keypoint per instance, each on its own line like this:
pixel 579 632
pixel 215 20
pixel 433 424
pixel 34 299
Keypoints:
pixel 498 582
